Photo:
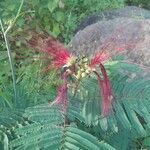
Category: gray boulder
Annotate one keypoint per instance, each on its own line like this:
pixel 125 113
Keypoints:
pixel 122 35
pixel 126 12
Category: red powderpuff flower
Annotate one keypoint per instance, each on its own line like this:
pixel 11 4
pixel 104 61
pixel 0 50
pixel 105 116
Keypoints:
pixel 98 58
pixel 103 82
pixel 105 90
pixel 54 49
pixel 61 97
pixel 60 55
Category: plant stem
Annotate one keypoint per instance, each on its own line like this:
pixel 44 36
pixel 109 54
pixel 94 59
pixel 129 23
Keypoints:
pixel 5 33
pixel 17 15
pixel 10 61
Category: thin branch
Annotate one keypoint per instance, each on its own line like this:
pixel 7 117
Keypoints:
pixel 17 15
pixel 10 60
pixel 5 32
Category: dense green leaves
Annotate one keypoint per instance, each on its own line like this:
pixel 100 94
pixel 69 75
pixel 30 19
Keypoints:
pixel 140 3
pixel 82 126
pixel 49 131
pixel 56 17
pixel 127 122
pixel 4 140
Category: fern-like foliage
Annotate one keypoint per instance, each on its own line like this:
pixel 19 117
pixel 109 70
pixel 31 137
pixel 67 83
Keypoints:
pixel 50 130
pixel 9 120
pixel 11 113
pixel 10 117
pixel 129 117
pixel 83 125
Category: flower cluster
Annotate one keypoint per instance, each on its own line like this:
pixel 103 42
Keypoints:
pixel 81 67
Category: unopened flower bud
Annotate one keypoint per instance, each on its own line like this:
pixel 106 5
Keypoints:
pixel 85 60
pixel 87 71
pixel 83 74
pixel 82 70
pixel 78 76
pixel 86 66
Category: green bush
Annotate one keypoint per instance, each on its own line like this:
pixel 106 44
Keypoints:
pixel 140 3
pixel 82 126
pixel 56 17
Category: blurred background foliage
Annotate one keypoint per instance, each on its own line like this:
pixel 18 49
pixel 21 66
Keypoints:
pixel 139 3
pixel 59 18
pixel 56 17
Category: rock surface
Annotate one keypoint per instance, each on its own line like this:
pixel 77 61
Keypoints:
pixel 122 35
pixel 127 12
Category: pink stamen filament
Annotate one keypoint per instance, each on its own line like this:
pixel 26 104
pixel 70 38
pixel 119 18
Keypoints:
pixel 105 90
